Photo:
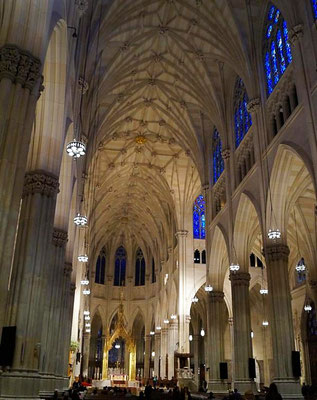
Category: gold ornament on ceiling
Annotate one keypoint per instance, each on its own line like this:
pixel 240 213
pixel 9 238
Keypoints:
pixel 140 139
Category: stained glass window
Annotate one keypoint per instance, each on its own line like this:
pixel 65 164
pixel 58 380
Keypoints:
pixel 218 164
pixel 139 268
pixel 277 54
pixel 314 5
pixel 120 267
pixel 100 268
pixel 242 119
pixel 199 218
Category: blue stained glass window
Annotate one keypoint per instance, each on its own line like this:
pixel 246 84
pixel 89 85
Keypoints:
pixel 314 5
pixel 278 54
pixel 139 269
pixel 120 267
pixel 242 119
pixel 199 219
pixel 100 268
pixel 218 163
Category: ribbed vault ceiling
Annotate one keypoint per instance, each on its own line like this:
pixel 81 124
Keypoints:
pixel 159 67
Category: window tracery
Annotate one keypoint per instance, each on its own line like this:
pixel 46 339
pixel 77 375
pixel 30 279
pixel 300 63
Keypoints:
pixel 100 268
pixel 277 53
pixel 199 219
pixel 120 267
pixel 242 119
pixel 139 268
pixel 218 163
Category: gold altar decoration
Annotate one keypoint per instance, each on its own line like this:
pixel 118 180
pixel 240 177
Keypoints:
pixel 120 331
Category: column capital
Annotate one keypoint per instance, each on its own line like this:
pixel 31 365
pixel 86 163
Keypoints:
pixel 216 297
pixel 295 33
pixel 19 66
pixel 41 182
pixel 225 153
pixel 68 269
pixel 253 105
pixel 59 237
pixel 240 278
pixel 276 251
pixel 181 233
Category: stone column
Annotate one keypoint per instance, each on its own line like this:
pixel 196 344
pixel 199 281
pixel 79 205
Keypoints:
pixel 53 310
pixel 281 320
pixel 183 329
pixel 85 357
pixel 215 321
pixel 157 350
pixel 172 346
pixel 30 282
pixel 230 322
pixel 164 333
pixel 20 85
pixel 147 356
pixel 196 339
pixel 241 330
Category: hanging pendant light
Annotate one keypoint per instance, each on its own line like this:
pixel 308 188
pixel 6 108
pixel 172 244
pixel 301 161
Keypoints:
pixel 86 292
pixel 80 220
pixel 166 321
pixel 202 332
pixel 76 148
pixel 87 325
pixel 208 288
pixel 152 333
pixel 301 267
pixel 84 282
pixel 195 299
pixel 264 291
pixel 83 258
pixel 173 316
pixel 158 328
pixel 234 267
pixel 87 318
pixel 190 338
pixel 307 307
pixel 87 330
pixel 117 346
pixel 274 234
pixel 265 323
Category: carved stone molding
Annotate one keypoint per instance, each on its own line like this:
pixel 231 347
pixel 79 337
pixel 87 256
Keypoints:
pixel 83 85
pixel 40 182
pixel 59 237
pixel 295 33
pixel 225 154
pixel 68 269
pixel 240 278
pixel 253 105
pixel 181 233
pixel 276 252
pixel 216 297
pixel 19 66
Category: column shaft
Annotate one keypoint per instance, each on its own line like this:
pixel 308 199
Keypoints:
pixel 147 356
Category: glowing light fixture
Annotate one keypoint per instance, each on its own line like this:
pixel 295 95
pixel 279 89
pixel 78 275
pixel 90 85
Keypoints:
pixel 80 220
pixel 265 323
pixel 87 325
pixel 86 292
pixel 152 333
pixel 202 332
pixel 87 330
pixel 153 353
pixel 173 316
pixel 166 321
pixel 301 267
pixel 274 234
pixel 190 338
pixel 307 307
pixel 87 318
pixel 252 334
pixel 234 267
pixel 209 288
pixel 86 312
pixel 84 282
pixel 195 299
pixel 83 258
pixel 264 291
pixel 76 149
pixel 117 346
pixel 158 328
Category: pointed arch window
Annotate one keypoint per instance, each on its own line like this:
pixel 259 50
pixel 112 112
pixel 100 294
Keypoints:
pixel 203 257
pixel 139 268
pixel 197 256
pixel 218 164
pixel 153 271
pixel 277 49
pixel 120 266
pixel 199 218
pixel 242 119
pixel 100 268
pixel 314 6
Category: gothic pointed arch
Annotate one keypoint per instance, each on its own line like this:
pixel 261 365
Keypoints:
pixel 120 266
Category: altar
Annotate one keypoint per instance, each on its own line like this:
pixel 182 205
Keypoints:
pixel 119 380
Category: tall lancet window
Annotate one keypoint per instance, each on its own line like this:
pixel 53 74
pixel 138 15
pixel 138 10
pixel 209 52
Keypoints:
pixel 242 119
pixel 314 5
pixel 100 268
pixel 218 164
pixel 120 267
pixel 277 49
pixel 199 218
pixel 153 271
pixel 139 268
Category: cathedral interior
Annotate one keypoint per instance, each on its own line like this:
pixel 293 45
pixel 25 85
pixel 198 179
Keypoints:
pixel 158 177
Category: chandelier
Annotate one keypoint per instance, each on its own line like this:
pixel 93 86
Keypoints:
pixel 117 346
pixel 264 291
pixel 80 220
pixel 274 234
pixel 87 312
pixel 195 299
pixel 84 282
pixel 202 332
pixel 152 333
pixel 83 258
pixel 158 328
pixel 87 318
pixel 307 307
pixel 76 149
pixel 190 338
pixel 173 316
pixel 87 330
pixel 166 321
pixel 86 292
pixel 209 288
pixel 234 267
pixel 265 323
pixel 301 267
pixel 87 324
